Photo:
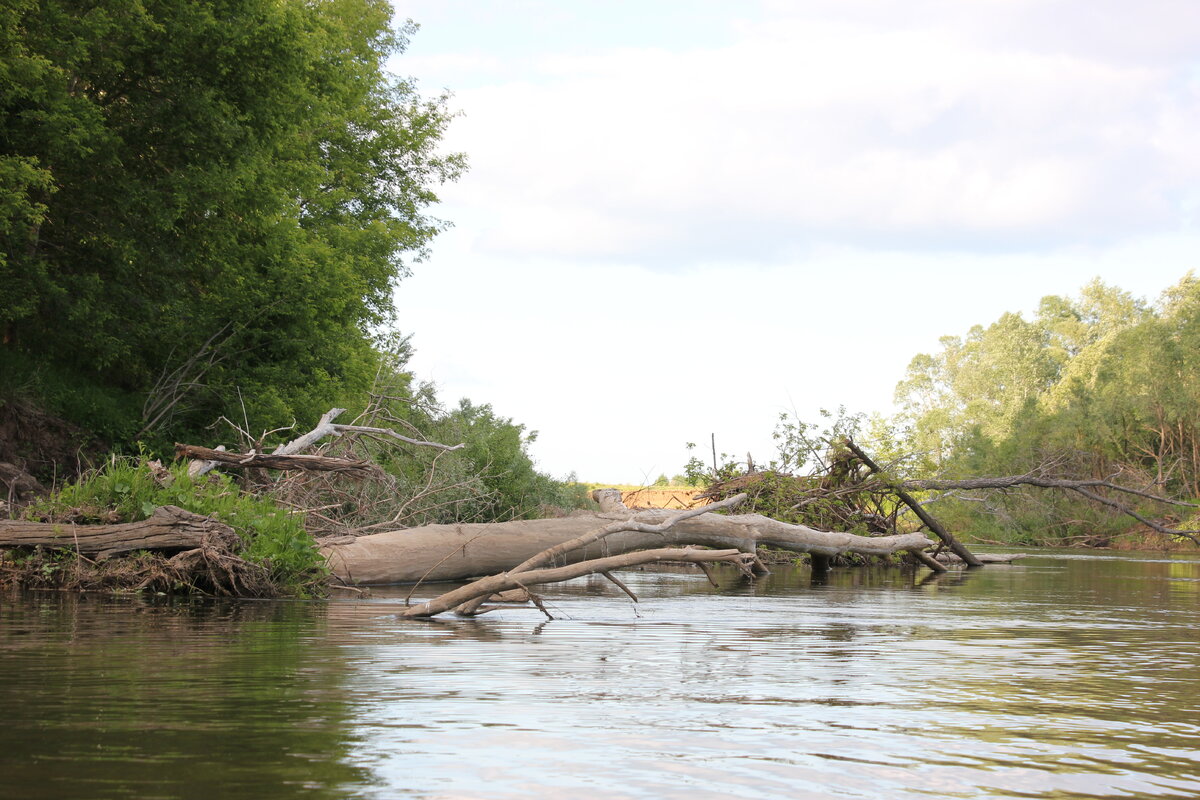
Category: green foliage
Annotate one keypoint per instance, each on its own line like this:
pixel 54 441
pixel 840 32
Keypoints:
pixel 497 451
pixel 1097 385
pixel 128 490
pixel 492 477
pixel 197 197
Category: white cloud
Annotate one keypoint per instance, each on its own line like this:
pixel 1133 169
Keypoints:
pixel 826 129
pixel 661 239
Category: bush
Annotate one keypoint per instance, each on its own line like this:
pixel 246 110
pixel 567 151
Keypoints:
pixel 128 490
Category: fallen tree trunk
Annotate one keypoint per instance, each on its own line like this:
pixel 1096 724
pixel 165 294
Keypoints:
pixel 168 529
pixel 455 552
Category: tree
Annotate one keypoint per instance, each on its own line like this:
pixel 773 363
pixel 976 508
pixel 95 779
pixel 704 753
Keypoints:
pixel 1095 385
pixel 202 197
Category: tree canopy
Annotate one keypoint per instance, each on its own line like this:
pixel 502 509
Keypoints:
pixel 1093 386
pixel 204 199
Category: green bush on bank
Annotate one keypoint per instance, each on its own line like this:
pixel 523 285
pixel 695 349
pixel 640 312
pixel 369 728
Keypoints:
pixel 129 490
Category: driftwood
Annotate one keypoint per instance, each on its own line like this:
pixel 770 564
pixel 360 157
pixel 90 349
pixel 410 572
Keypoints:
pixel 455 552
pixel 610 500
pixel 273 461
pixel 168 529
pixel 570 561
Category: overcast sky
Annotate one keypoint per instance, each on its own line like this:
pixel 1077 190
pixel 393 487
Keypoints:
pixel 684 218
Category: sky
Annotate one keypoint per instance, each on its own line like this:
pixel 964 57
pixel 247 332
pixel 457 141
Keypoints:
pixel 683 219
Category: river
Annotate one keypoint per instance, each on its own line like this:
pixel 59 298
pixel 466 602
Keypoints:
pixel 1065 675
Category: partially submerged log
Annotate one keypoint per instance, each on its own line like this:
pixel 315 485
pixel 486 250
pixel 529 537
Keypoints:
pixel 986 558
pixel 168 529
pixel 455 552
pixel 507 581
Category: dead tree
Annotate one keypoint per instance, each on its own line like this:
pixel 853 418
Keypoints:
pixel 455 552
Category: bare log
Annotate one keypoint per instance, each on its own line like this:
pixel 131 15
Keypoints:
pixel 955 546
pixel 310 463
pixel 455 552
pixel 168 529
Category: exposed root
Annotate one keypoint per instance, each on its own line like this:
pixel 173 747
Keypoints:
pixel 210 570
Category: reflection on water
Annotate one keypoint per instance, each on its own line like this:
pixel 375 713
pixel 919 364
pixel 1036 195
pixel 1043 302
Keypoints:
pixel 1059 676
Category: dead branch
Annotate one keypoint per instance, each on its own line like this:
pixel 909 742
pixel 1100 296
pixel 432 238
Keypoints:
pixel 1081 487
pixel 171 387
pixel 327 427
pixel 486 587
pixel 955 546
pixel 632 524
pixel 1011 481
pixel 310 463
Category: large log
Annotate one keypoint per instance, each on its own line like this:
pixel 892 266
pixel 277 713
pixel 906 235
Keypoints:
pixel 454 552
pixel 168 529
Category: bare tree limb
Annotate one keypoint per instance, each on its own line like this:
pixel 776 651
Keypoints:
pixel 327 427
pixel 1008 482
pixel 486 587
pixel 274 461
pixel 1081 487
pixel 955 546
pixel 631 524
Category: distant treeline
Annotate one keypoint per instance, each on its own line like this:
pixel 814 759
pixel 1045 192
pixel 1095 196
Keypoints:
pixel 1103 384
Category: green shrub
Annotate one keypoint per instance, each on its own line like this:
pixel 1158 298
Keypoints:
pixel 129 490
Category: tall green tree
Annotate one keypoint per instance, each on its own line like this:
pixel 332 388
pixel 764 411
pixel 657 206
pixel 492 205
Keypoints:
pixel 201 198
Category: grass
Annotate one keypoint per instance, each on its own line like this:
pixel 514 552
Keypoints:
pixel 129 489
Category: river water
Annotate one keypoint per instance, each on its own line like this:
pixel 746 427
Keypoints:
pixel 1061 676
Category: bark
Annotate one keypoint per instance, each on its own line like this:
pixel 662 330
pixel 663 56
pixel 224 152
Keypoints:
pixel 611 502
pixel 455 552
pixel 168 529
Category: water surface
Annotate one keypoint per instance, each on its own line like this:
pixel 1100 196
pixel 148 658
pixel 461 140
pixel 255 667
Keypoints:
pixel 1062 676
